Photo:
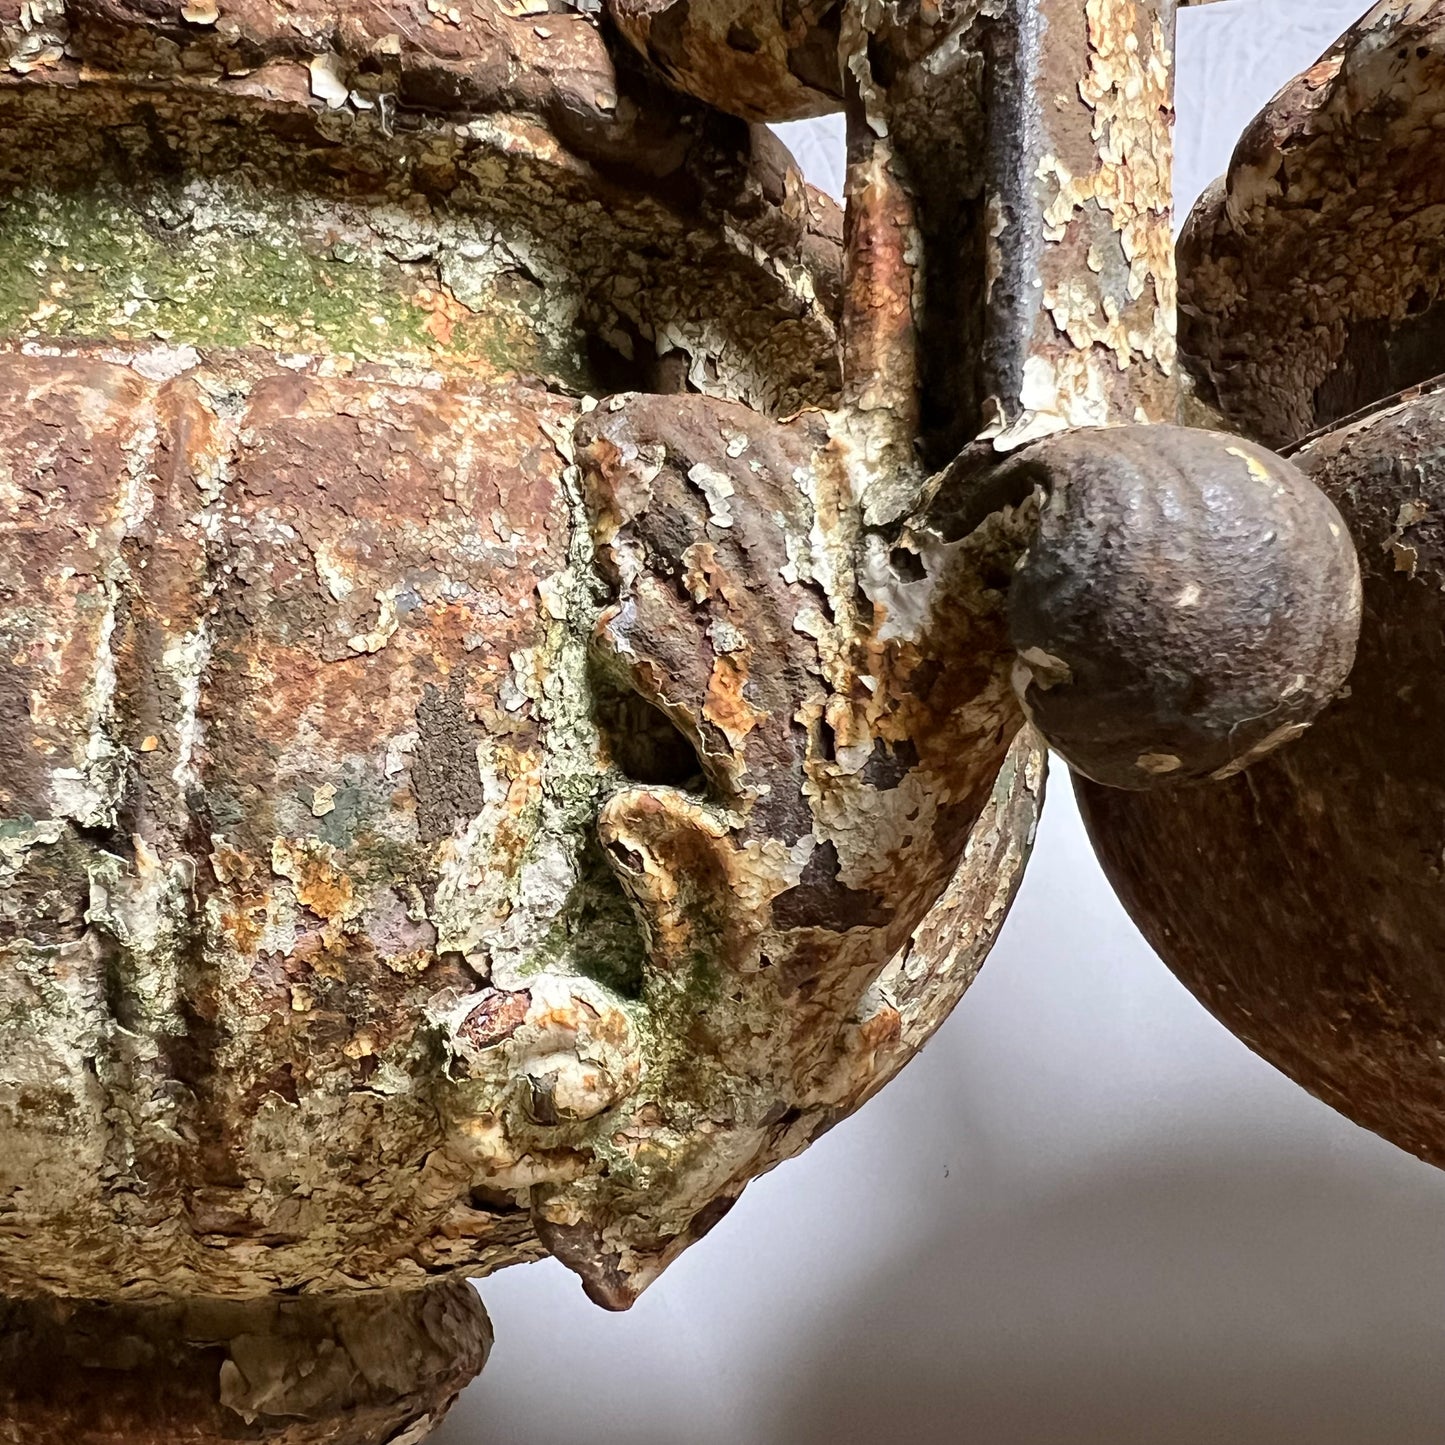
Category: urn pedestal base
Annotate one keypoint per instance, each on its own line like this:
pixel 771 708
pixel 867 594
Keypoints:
pixel 363 1369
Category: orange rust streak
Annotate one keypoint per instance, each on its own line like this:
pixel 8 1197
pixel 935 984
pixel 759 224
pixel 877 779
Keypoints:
pixel 879 337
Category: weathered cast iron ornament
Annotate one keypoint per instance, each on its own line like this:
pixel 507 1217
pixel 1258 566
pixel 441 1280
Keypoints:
pixel 526 635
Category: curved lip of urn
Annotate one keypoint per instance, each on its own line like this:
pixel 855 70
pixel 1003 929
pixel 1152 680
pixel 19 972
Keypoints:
pixel 566 113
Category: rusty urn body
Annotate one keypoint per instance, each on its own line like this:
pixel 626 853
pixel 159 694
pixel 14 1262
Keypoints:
pixel 529 637
pixel 460 802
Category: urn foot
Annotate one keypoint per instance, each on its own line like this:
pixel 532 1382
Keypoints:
pixel 363 1369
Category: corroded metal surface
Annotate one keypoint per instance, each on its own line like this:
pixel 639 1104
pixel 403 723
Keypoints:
pixel 758 59
pixel 382 1370
pixel 505 654
pixel 587 229
pixel 319 973
pixel 273 646
pixel 1302 903
pixel 1009 263
pixel 1314 932
pixel 1311 273
pixel 394 889
pixel 1082 290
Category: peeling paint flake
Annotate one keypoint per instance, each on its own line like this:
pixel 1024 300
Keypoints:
pixel 327 83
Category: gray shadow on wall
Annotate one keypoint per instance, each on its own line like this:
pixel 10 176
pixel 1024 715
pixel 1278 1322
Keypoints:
pixel 1229 1301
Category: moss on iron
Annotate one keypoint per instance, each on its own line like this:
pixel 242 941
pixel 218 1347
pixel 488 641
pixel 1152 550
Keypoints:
pixel 212 265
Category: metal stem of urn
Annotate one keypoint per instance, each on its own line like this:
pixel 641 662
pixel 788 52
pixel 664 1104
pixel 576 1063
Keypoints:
pixel 519 629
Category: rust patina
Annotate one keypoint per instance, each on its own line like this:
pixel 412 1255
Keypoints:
pixel 513 719
pixel 1311 280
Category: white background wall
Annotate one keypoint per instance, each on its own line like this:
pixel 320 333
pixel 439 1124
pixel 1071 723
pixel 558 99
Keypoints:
pixel 1085 1216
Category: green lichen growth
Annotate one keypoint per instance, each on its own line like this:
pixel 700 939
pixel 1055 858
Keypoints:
pixel 209 265
pixel 598 933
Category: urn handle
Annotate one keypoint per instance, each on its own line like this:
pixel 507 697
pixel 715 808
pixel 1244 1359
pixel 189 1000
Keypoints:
pixel 1190 600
